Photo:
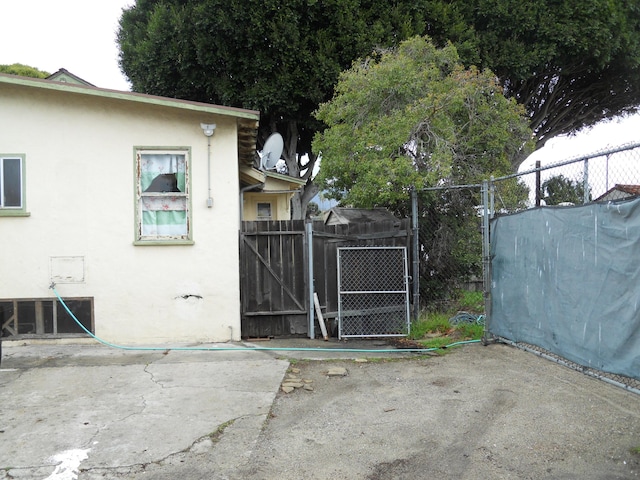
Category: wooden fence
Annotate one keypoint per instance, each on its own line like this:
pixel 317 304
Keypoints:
pixel 274 270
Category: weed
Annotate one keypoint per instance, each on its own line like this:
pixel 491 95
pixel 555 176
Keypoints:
pixel 471 301
pixel 470 330
pixel 217 433
pixel 636 450
pixel 434 330
pixel 432 323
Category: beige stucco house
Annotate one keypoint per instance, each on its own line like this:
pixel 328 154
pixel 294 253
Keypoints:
pixel 267 195
pixel 125 204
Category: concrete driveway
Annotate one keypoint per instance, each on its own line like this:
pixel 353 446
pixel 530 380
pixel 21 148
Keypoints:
pixel 109 413
pixel 92 412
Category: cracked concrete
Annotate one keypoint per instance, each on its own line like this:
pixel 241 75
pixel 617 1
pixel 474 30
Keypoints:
pixel 131 411
pixel 481 412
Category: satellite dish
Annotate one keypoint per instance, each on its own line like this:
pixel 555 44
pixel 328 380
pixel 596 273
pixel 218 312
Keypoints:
pixel 271 152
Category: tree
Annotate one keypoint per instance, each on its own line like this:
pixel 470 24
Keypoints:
pixel 560 189
pixel 571 63
pixel 23 70
pixel 414 117
pixel 279 57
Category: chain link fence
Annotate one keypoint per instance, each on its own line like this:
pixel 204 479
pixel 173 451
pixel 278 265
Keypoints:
pixel 450 218
pixel 449 244
pixel 605 175
pixel 453 257
pixel 373 292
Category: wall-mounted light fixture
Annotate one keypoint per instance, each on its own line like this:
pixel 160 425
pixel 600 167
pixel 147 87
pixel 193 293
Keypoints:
pixel 208 129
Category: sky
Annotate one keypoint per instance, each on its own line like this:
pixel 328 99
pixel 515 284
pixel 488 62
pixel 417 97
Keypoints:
pixel 604 172
pixel 80 36
pixel 602 136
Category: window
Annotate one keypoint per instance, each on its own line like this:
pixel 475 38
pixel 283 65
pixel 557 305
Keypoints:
pixel 12 201
pixel 264 211
pixel 43 316
pixel 162 196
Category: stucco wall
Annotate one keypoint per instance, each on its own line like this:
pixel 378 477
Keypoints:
pixel 279 205
pixel 80 194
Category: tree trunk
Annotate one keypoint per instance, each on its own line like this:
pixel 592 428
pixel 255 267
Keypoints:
pixel 293 160
pixel 300 200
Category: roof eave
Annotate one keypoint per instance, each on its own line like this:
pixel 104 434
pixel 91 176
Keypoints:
pixel 286 178
pixel 129 96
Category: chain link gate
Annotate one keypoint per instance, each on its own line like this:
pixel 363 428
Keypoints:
pixel 373 292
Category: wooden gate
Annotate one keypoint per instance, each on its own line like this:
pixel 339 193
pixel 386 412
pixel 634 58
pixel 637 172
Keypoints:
pixel 274 271
pixel 273 278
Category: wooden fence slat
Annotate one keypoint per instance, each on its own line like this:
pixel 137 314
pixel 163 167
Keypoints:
pixel 274 274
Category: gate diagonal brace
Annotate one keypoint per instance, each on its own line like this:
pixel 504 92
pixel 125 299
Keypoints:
pixel 275 275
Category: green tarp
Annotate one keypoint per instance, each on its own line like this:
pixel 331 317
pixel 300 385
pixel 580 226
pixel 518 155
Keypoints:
pixel 567 279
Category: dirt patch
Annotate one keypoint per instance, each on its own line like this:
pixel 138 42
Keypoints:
pixel 476 413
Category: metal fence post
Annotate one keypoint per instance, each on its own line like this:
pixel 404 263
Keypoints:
pixel 585 181
pixel 538 186
pixel 415 243
pixel 492 198
pixel 309 229
pixel 486 260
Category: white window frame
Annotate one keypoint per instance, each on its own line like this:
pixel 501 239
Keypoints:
pixel 143 198
pixel 13 210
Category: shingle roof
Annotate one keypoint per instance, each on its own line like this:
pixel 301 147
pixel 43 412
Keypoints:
pixel 619 191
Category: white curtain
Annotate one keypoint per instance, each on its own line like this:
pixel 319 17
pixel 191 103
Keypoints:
pixel 163 214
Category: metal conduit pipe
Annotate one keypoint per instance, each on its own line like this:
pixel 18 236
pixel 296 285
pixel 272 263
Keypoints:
pixel 246 189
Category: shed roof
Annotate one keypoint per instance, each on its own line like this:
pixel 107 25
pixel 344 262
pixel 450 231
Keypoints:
pixel 253 176
pixel 345 215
